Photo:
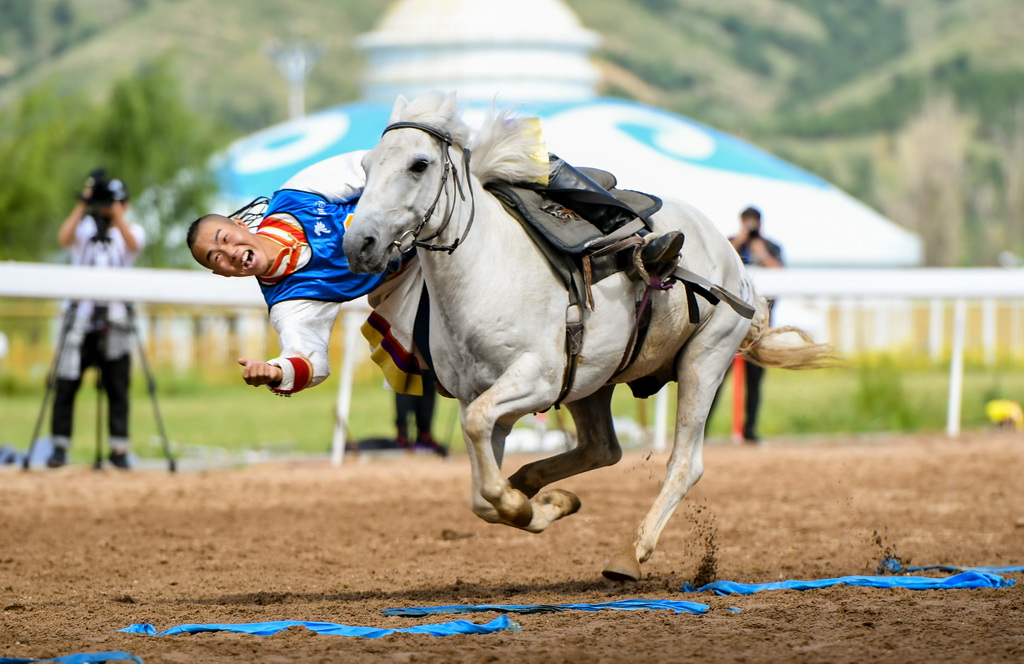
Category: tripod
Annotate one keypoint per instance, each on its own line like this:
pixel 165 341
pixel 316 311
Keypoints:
pixel 51 378
pixel 151 387
pixel 51 383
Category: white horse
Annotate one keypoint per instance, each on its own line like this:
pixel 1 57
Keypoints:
pixel 498 317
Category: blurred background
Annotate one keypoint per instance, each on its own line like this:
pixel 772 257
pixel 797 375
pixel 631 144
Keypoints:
pixel 903 122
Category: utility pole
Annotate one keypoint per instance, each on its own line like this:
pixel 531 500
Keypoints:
pixel 295 60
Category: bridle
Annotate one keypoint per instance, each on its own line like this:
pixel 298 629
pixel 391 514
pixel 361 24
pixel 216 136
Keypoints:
pixel 444 141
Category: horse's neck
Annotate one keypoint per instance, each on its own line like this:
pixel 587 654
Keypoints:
pixel 496 261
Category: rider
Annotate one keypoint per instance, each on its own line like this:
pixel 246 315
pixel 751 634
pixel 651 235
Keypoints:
pixel 295 254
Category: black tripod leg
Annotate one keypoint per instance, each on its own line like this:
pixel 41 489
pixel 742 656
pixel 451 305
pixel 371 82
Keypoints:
pixel 151 387
pixel 51 381
pixel 97 463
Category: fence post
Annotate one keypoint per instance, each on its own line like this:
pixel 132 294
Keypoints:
pixel 351 321
pixel 739 370
pixel 660 417
pixel 956 369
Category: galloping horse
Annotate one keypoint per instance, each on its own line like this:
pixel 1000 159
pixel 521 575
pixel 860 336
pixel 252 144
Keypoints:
pixel 498 316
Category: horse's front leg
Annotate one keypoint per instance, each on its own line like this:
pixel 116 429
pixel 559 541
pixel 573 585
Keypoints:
pixel 486 421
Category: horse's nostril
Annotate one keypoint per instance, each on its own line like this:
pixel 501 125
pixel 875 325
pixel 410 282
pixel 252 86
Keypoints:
pixel 368 243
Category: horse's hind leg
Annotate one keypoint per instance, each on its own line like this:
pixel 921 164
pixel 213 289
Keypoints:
pixel 700 368
pixel 596 447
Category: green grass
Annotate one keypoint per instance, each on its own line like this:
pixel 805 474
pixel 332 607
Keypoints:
pixel 220 416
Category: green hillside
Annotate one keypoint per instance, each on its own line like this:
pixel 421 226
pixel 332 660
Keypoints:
pixel 837 86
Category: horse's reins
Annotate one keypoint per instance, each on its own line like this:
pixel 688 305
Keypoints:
pixel 444 140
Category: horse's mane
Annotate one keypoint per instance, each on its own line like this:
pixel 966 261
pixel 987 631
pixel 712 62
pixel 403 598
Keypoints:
pixel 509 149
pixel 429 110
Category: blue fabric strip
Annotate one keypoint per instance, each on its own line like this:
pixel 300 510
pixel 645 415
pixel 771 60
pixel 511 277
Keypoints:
pixel 266 628
pixel 79 658
pixel 958 581
pixel 676 606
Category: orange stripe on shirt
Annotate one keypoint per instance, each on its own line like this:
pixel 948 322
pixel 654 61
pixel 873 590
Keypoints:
pixel 290 237
pixel 293 231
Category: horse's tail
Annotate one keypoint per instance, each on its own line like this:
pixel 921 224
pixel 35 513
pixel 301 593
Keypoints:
pixel 785 347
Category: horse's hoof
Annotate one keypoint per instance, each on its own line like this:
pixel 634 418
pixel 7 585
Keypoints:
pixel 522 514
pixel 567 501
pixel 623 566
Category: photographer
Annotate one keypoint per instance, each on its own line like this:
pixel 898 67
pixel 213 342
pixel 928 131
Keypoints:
pixel 757 250
pixel 97 333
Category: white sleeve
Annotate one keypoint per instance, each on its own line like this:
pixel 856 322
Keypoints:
pixel 337 179
pixel 140 236
pixel 304 330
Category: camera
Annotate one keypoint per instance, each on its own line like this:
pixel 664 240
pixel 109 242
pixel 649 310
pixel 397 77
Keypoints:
pixel 104 192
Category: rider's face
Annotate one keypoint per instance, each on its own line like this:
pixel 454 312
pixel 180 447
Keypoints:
pixel 227 247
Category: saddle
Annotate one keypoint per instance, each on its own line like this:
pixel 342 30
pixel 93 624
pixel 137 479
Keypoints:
pixel 583 250
pixel 553 211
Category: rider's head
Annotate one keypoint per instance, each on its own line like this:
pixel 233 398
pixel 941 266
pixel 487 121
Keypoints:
pixel 227 247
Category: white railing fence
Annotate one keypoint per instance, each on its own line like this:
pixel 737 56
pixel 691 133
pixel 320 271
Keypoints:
pixel 855 310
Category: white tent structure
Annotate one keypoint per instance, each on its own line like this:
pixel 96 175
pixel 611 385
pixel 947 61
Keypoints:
pixel 489 50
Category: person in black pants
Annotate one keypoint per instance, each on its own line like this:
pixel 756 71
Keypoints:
pixel 97 334
pixel 115 376
pixel 422 410
pixel 755 250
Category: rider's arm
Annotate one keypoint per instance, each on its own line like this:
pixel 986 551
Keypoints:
pixel 338 179
pixel 304 328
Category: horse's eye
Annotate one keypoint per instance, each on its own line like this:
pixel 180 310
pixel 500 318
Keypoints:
pixel 419 166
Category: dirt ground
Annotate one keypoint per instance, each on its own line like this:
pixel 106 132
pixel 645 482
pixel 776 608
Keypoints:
pixel 83 553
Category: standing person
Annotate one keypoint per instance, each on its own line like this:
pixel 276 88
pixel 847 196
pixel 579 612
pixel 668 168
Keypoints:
pixel 98 333
pixel 422 410
pixel 757 250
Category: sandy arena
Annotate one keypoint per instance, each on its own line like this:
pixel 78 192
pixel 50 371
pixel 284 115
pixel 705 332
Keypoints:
pixel 83 553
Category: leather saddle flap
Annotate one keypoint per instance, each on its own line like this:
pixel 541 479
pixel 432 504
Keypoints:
pixel 560 225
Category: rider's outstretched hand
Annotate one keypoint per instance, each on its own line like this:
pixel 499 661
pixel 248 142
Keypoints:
pixel 258 372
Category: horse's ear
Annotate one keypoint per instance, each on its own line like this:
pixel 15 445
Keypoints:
pixel 399 108
pixel 448 106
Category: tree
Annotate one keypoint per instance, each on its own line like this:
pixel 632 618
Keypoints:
pixel 1009 144
pixel 160 148
pixel 143 134
pixel 927 191
pixel 40 158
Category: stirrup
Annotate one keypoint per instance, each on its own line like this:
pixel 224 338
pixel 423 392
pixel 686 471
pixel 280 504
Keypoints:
pixel 657 257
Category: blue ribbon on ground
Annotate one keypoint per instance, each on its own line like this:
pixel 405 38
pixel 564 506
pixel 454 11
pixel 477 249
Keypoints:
pixel 266 628
pixel 79 658
pixel 676 606
pixel 958 581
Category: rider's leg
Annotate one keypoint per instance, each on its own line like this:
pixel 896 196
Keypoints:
pixel 574 189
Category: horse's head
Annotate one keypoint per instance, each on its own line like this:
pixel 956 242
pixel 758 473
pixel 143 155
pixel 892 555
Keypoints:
pixel 409 182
